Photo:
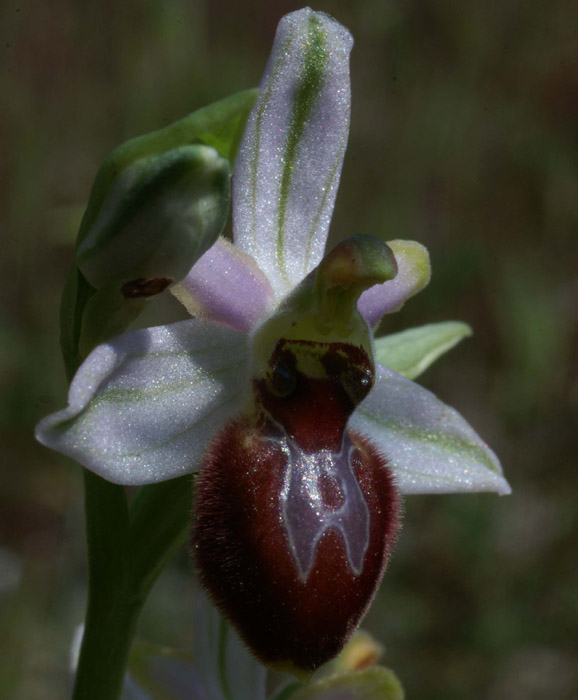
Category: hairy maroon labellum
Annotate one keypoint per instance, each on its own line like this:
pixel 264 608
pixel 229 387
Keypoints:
pixel 296 513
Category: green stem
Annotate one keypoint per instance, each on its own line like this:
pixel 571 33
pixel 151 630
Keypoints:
pixel 112 609
pixel 128 545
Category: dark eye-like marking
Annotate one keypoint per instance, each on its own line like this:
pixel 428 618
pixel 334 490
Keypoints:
pixel 357 381
pixel 283 377
pixel 352 368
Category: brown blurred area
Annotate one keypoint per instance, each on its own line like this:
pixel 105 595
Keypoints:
pixel 464 137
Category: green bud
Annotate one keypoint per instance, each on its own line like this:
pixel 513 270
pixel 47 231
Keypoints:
pixel 376 683
pixel 159 215
pixel 361 652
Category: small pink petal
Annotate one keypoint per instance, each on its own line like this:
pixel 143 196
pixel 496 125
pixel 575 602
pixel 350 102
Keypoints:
pixel 226 285
pixel 412 276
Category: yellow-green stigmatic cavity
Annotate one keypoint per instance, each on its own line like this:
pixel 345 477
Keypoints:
pixel 323 308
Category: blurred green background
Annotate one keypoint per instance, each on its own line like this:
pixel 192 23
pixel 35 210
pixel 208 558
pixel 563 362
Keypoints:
pixel 464 137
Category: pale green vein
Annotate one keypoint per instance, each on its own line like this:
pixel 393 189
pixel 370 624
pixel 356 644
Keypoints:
pixel 122 396
pixel 198 424
pixel 193 353
pixel 455 445
pixel 129 396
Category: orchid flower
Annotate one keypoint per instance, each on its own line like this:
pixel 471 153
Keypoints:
pixel 303 440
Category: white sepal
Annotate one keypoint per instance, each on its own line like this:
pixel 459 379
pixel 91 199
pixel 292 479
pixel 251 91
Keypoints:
pixel 429 446
pixel 143 407
pixel 289 163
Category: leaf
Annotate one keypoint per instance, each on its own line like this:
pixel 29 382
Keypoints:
pixel 411 352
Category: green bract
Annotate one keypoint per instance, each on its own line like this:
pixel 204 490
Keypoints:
pixel 161 200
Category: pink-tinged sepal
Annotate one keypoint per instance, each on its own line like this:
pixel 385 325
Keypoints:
pixel 413 274
pixel 287 172
pixel 226 286
pixel 294 602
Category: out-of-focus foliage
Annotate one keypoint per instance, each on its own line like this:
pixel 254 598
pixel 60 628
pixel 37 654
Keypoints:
pixel 464 138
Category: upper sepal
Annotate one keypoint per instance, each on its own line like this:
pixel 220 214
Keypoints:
pixel 289 163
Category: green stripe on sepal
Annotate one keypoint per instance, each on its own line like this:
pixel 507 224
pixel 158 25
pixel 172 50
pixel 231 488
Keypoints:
pixel 307 92
pixel 411 352
pixel 429 446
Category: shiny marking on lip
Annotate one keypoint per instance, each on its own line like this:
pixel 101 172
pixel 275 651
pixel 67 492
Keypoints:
pixel 320 490
pixel 306 516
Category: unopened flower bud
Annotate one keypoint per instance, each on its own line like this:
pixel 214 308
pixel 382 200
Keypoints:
pixel 362 651
pixel 159 215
